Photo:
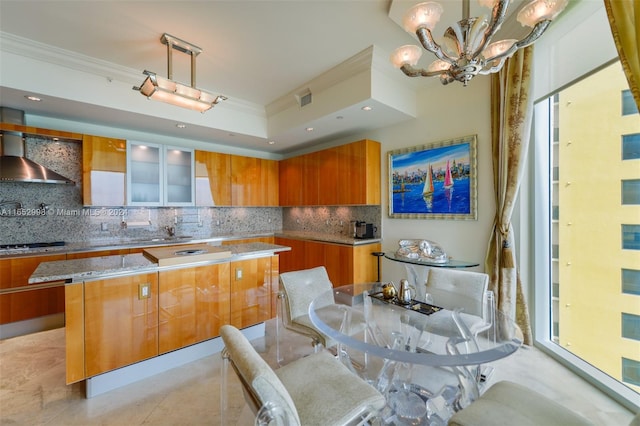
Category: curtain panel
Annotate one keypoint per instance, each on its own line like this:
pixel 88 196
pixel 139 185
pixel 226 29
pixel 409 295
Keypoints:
pixel 624 19
pixel 511 118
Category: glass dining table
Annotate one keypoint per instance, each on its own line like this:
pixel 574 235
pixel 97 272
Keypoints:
pixel 425 359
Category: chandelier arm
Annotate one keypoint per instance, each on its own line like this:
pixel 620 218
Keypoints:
pixel 427 41
pixel 535 33
pixel 497 18
pixel 419 72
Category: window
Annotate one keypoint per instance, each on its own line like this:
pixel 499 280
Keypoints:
pixel 631 147
pixel 631 191
pixel 631 281
pixel 628 103
pixel 631 326
pixel 631 371
pixel 631 237
pixel 590 202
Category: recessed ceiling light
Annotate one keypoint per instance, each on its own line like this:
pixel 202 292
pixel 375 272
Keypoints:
pixel 309 129
pixel 366 108
pixel 34 98
pixel 339 117
pixel 271 142
pixel 181 126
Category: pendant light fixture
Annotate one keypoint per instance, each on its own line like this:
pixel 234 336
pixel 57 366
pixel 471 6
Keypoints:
pixel 172 92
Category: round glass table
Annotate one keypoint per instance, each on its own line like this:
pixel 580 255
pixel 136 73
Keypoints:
pixel 424 358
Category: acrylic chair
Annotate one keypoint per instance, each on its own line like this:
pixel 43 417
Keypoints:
pixel 297 290
pixel 313 390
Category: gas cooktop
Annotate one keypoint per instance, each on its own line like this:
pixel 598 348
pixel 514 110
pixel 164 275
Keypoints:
pixel 27 246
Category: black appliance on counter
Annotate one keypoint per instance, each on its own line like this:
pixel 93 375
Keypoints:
pixel 365 230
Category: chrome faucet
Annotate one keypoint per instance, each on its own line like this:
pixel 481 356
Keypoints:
pixel 170 230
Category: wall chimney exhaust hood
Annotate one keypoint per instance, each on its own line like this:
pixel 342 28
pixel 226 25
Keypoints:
pixel 14 166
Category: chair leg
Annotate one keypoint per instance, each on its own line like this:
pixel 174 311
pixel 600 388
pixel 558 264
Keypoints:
pixel 224 369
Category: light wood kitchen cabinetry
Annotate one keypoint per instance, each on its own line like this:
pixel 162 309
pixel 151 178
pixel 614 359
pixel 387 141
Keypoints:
pixel 193 305
pixel 344 175
pixel 254 182
pixel 290 181
pixel 253 290
pixel 345 264
pixel 213 179
pixel 120 321
pixel 74 332
pixel 20 300
pixel 104 166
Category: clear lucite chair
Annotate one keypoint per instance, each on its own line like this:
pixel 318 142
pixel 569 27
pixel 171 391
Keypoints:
pixel 313 390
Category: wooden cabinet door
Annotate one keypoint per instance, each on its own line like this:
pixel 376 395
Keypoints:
pixel 213 179
pixel 338 260
pixel 104 165
pixel 17 301
pixel 245 172
pixel 121 324
pixel 251 291
pixel 294 259
pixel 313 254
pixel 177 309
pixel 329 181
pixel 310 180
pixel 213 306
pixel 74 332
pixel 290 181
pixel 373 172
pixel 269 182
pixel 365 264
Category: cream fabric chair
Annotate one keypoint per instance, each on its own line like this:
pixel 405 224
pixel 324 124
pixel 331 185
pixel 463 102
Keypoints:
pixel 466 290
pixel 315 390
pixel 506 404
pixel 297 290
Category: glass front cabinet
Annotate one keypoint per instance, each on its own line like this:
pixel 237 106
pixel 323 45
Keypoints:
pixel 159 175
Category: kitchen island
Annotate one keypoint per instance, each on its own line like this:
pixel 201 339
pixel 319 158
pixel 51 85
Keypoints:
pixel 128 318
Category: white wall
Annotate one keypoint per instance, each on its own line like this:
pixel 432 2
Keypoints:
pixel 444 112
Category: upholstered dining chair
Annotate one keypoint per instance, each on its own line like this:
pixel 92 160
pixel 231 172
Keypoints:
pixel 314 390
pixel 297 290
pixel 507 403
pixel 466 290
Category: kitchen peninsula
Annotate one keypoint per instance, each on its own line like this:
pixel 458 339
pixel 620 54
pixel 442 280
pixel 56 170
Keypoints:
pixel 128 317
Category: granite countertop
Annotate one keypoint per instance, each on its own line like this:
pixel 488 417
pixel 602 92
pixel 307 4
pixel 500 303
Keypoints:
pixel 328 238
pixel 76 270
pixel 166 241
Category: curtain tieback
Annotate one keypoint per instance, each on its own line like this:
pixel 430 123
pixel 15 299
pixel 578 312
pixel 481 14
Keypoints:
pixel 507 255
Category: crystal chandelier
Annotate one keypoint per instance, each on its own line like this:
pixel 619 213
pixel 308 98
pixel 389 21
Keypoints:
pixel 466 49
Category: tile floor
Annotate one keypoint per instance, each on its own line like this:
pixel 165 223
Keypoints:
pixel 33 392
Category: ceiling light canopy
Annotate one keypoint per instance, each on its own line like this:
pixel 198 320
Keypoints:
pixel 466 49
pixel 172 92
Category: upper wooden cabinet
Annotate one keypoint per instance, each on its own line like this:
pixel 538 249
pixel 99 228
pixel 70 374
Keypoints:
pixel 254 182
pixel 213 179
pixel 343 175
pixel 104 166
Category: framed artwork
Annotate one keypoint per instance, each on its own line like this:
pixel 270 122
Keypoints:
pixel 434 181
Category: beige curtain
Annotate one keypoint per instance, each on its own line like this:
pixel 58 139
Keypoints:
pixel 511 116
pixel 624 18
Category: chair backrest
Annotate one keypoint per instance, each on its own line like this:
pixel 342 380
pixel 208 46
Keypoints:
pixel 257 377
pixel 302 287
pixel 454 289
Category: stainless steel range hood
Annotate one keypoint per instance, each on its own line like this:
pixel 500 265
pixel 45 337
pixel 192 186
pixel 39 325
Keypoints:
pixel 14 166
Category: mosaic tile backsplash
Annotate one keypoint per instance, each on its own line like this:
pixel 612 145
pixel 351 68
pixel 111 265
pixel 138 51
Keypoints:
pixel 66 219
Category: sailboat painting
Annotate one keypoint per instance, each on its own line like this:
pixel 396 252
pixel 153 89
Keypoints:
pixel 434 181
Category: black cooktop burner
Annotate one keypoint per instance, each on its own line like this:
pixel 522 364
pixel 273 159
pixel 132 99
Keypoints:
pixel 31 245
